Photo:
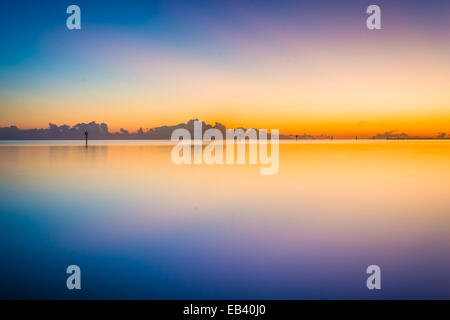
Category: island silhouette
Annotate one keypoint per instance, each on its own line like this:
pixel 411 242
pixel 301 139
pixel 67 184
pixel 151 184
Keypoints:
pixel 100 131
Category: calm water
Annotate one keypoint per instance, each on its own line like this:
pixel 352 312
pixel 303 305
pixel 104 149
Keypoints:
pixel 142 227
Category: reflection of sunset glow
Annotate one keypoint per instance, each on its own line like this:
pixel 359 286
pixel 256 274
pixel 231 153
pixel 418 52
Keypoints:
pixel 332 208
pixel 406 176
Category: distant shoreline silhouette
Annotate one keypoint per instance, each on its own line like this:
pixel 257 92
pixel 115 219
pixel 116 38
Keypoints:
pixel 100 131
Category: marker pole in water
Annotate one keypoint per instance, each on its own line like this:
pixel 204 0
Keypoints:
pixel 86 135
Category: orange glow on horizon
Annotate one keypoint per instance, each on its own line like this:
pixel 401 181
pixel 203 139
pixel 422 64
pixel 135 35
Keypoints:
pixel 345 89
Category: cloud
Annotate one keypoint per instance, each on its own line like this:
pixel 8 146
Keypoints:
pixel 392 135
pixel 97 131
pixel 100 131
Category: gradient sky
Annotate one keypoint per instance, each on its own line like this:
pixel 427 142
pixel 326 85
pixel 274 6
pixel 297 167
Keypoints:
pixel 299 66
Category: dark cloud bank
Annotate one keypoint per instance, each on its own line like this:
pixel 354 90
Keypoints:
pixel 100 131
pixel 394 135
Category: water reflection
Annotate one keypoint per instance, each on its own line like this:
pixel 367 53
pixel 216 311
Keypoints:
pixel 141 227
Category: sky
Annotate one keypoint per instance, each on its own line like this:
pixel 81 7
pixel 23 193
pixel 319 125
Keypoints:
pixel 298 66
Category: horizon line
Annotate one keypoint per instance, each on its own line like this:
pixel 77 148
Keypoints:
pixel 100 131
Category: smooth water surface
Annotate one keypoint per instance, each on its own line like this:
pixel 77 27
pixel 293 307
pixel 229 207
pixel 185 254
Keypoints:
pixel 141 227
